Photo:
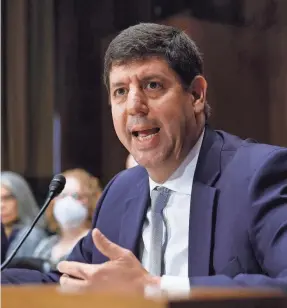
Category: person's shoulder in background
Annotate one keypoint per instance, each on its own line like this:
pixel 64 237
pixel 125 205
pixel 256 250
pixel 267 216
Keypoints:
pixel 31 242
pixel 4 243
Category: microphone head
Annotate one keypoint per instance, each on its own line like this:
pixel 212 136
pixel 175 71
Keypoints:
pixel 57 184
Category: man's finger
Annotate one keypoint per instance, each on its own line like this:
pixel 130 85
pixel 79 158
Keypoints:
pixel 76 269
pixel 106 247
pixel 72 284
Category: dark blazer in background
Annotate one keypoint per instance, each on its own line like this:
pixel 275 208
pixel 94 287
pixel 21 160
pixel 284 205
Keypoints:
pixel 4 243
pixel 238 216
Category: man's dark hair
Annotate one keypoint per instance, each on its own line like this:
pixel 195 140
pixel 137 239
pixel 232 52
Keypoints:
pixel 147 40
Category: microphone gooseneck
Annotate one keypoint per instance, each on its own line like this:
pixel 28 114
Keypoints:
pixel 55 188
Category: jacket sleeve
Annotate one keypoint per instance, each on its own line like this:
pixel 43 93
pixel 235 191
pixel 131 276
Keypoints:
pixel 268 230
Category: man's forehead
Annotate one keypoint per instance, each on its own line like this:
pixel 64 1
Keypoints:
pixel 138 68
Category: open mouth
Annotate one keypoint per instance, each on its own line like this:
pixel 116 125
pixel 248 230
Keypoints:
pixel 146 134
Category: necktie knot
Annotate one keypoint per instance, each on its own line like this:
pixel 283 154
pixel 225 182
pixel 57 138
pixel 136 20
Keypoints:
pixel 159 197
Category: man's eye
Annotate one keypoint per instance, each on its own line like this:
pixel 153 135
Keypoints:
pixel 153 85
pixel 120 92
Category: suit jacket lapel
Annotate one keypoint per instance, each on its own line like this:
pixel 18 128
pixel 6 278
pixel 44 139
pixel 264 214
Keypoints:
pixel 203 200
pixel 133 218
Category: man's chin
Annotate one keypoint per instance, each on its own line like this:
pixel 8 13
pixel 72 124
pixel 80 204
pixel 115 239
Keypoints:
pixel 152 159
pixel 152 163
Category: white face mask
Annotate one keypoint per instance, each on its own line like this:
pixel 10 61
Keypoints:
pixel 70 213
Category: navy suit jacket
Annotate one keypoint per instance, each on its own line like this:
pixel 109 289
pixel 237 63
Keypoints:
pixel 238 216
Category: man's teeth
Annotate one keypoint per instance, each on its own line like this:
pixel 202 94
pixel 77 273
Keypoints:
pixel 145 137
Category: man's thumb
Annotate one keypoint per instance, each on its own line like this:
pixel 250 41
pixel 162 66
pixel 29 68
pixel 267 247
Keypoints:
pixel 106 247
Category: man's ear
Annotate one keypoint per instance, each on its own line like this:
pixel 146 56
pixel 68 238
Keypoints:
pixel 198 89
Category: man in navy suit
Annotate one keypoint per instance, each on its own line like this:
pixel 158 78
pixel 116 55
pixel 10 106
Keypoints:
pixel 224 222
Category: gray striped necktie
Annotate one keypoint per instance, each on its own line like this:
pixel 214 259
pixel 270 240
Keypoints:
pixel 159 199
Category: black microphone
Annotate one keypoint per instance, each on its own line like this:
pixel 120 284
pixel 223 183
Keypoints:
pixel 55 188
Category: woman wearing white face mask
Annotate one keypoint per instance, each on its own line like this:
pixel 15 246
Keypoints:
pixel 70 216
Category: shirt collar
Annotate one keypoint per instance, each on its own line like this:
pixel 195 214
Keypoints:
pixel 181 180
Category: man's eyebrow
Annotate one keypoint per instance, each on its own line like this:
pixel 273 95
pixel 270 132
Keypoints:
pixel 117 84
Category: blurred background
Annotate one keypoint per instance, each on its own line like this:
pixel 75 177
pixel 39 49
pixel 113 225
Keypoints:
pixel 55 114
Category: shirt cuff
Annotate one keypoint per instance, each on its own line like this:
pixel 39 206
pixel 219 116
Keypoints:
pixel 174 285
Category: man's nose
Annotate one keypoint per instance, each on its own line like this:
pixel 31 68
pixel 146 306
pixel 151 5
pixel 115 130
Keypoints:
pixel 137 103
